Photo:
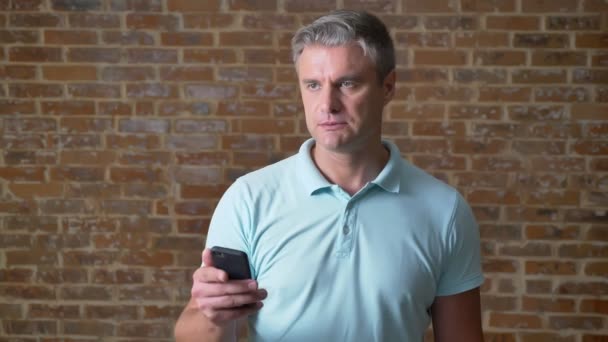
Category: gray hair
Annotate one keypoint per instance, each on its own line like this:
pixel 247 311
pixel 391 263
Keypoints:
pixel 343 27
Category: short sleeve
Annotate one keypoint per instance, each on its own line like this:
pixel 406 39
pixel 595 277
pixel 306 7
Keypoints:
pixel 461 270
pixel 231 220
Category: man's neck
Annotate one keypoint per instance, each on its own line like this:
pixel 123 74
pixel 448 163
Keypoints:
pixel 353 170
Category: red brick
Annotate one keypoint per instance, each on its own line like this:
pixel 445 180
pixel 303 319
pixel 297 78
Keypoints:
pixel 53 311
pixel 269 91
pixel 152 91
pixel 594 306
pixel 133 174
pixel 412 6
pixel 590 147
pixel 197 176
pixel 23 5
pixel 130 73
pixel 163 22
pixel 530 249
pixel 69 73
pixel 123 312
pixel 576 322
pixel 589 111
pixel 486 180
pixel 36 90
pixel 499 266
pixel 79 174
pixel 438 128
pixel 186 39
pixel 68 107
pixel 493 197
pixel 211 56
pixel 36 20
pixel 94 55
pixel 208 20
pixel 558 58
pixel 201 126
pixel 541 6
pixel 530 147
pixel 145 142
pixel 541 305
pixel 539 76
pixel 440 163
pixel 505 94
pixel 481 39
pixel 450 22
pixel 126 207
pixel 561 94
pixel 36 327
pixel 586 251
pixel 94 20
pixel 593 288
pixel 599 60
pixel 17 72
pixel 268 56
pixel 33 174
pixel 519 23
pixel 432 57
pixel 183 73
pixel 536 40
pixel 15 275
pixel 515 321
pixel 114 108
pixel 70 37
pixel 88 90
pixel 496 164
pixel 474 112
pixel 181 108
pixel 76 5
pixel 137 5
pixel 148 55
pixel 19 36
pixel 210 91
pixel 425 75
pixel 35 54
pixel 596 269
pixel 586 23
pixel 128 38
pixel 30 125
pixel 546 337
pixel 550 267
pixel 591 40
pixel 267 126
pixel 435 93
pixel 87 157
pixel 29 190
pixel 594 76
pixel 309 6
pixel 245 38
pixel 488 5
pixel 501 58
pixel 240 74
pixel 421 111
pixel 194 6
pixel 61 276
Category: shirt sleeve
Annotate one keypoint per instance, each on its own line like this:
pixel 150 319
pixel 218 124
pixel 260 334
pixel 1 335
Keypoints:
pixel 231 220
pixel 462 267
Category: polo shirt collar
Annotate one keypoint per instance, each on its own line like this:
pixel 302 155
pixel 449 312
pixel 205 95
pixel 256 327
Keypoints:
pixel 389 178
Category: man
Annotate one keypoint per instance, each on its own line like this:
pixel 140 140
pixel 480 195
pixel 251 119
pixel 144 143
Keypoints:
pixel 346 240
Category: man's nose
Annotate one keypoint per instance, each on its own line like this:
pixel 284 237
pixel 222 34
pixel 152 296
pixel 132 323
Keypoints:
pixel 330 101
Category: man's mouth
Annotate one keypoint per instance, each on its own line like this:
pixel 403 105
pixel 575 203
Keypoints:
pixel 333 126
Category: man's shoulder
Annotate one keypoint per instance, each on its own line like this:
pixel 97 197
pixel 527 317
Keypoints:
pixel 271 173
pixel 422 185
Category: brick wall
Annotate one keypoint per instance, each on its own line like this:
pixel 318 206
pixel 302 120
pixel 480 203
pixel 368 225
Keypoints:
pixel 123 121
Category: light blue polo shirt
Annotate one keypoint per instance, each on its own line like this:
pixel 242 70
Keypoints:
pixel 342 268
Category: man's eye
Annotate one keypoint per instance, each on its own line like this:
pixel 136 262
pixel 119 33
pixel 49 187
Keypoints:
pixel 312 86
pixel 347 84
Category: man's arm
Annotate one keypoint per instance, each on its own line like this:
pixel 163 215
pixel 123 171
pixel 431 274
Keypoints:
pixel 194 326
pixel 457 317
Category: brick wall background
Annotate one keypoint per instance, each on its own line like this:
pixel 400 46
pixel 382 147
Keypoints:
pixel 123 121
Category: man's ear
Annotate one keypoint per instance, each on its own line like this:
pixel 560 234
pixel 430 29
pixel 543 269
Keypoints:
pixel 389 86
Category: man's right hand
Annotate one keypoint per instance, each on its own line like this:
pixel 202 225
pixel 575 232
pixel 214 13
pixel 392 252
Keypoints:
pixel 221 300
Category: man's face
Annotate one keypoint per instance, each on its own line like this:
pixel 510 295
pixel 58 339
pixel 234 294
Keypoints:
pixel 343 99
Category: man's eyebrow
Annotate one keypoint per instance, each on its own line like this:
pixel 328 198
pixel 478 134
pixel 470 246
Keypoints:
pixel 353 77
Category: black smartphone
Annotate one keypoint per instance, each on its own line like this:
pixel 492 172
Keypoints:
pixel 232 261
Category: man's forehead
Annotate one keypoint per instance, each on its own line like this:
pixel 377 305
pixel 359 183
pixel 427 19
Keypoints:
pixel 344 56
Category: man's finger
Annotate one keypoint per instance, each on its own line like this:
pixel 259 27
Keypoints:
pixel 229 288
pixel 207 259
pixel 208 274
pixel 224 315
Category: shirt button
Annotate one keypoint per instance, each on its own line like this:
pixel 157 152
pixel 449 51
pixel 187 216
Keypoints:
pixel 346 230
